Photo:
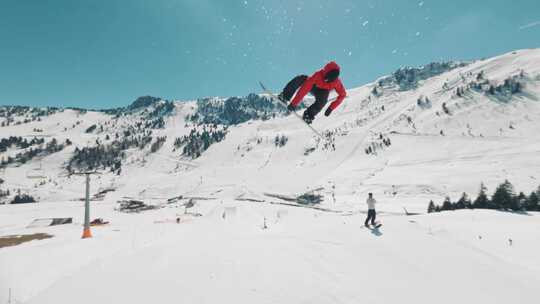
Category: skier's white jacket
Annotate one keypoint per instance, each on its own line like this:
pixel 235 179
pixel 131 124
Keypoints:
pixel 371 203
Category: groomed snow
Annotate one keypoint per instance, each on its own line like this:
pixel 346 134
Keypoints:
pixel 304 256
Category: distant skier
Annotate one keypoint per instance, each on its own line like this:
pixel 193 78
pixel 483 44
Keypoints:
pixel 319 85
pixel 371 210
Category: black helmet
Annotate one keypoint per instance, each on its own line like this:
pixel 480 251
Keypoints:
pixel 331 75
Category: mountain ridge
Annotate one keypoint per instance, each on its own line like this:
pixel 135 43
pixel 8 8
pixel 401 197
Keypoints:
pixel 478 102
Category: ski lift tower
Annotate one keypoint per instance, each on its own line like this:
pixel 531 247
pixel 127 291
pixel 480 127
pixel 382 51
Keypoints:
pixel 86 230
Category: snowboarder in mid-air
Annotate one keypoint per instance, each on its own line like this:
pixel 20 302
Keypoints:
pixel 319 85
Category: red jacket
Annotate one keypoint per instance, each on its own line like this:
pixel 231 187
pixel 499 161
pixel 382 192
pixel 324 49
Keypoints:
pixel 317 79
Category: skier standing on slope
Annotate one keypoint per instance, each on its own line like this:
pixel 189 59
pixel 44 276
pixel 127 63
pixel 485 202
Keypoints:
pixel 319 85
pixel 371 210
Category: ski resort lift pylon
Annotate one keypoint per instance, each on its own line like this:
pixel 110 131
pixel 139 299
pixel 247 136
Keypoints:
pixel 86 230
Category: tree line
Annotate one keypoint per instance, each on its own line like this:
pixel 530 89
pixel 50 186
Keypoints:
pixel 197 141
pixel 234 110
pixel 51 147
pixel 504 198
pixel 19 142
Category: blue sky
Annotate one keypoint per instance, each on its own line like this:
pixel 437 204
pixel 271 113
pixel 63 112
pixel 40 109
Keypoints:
pixel 105 53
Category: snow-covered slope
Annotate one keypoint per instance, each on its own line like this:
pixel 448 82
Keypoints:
pixel 448 133
pixel 302 257
pixel 482 135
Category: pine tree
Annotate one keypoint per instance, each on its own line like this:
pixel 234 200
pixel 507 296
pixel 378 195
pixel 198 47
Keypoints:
pixel 532 203
pixel 503 198
pixel 519 202
pixel 481 201
pixel 431 207
pixel 463 202
pixel 447 204
pixel 480 76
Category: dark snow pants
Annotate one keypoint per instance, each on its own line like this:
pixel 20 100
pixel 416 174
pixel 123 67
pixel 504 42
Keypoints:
pixel 321 95
pixel 371 214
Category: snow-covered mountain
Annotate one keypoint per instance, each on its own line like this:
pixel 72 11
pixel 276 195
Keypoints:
pixel 450 126
pixel 417 135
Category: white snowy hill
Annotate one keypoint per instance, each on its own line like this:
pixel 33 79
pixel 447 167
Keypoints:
pixel 417 135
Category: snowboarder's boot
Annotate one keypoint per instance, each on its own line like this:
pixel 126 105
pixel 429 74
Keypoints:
pixel 307 117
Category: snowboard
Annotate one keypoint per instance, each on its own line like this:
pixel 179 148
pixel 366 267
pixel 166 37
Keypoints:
pixel 275 98
pixel 376 226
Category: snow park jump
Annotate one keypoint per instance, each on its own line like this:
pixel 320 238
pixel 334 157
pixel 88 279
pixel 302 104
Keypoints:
pixel 279 151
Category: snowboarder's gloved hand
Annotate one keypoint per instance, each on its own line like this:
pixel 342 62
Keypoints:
pixel 328 111
pixel 290 107
pixel 307 117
